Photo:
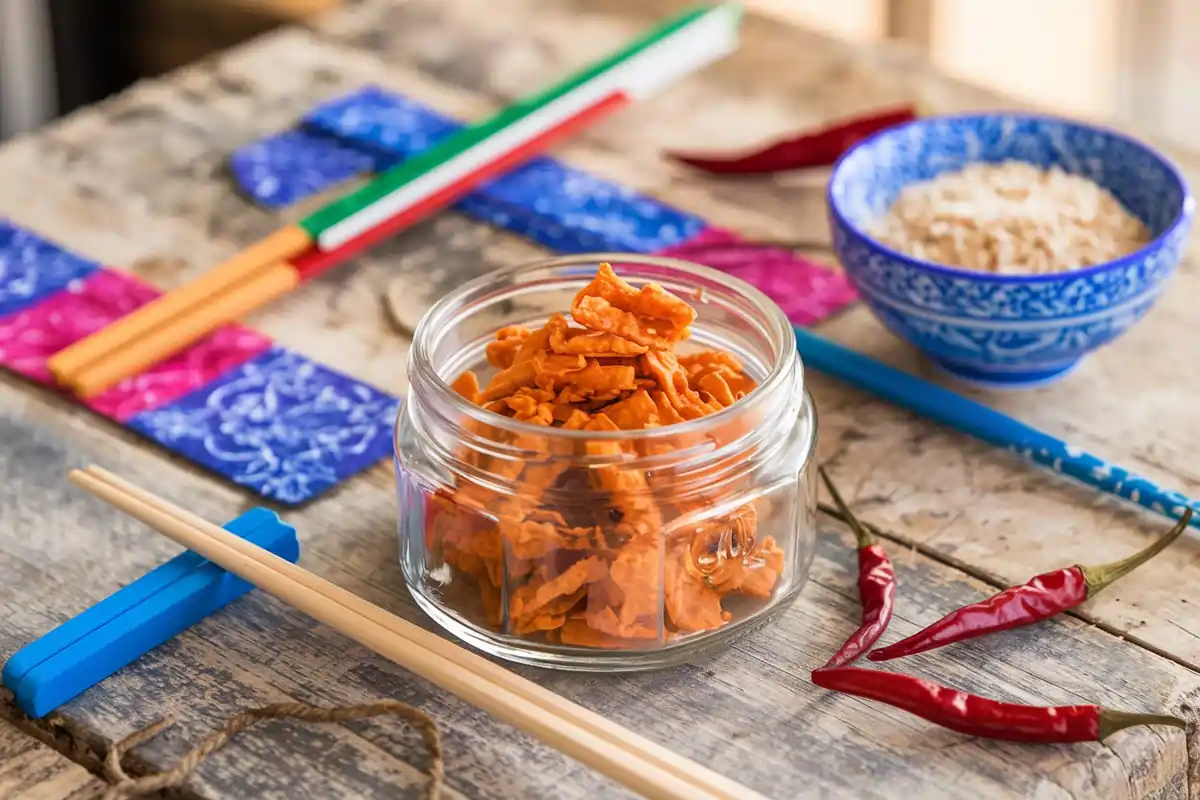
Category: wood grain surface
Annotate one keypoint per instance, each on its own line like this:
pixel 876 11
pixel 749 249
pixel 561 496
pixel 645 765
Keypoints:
pixel 140 182
pixel 30 770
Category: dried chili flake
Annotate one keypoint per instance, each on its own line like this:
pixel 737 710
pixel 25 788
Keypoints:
pixel 507 382
pixel 580 341
pixel 649 316
pixel 633 413
pixel 666 410
pixel 577 420
pixel 705 360
pixel 636 573
pixel 714 386
pixel 692 605
pixel 539 593
pixel 501 352
pixel 581 548
pixel 598 379
pixel 467 385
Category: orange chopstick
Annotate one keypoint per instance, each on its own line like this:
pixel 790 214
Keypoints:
pixel 197 321
pixel 132 330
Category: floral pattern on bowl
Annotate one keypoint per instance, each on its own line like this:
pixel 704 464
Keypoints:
pixel 1005 330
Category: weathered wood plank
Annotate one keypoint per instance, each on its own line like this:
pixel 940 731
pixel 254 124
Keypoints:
pixel 140 181
pixel 29 770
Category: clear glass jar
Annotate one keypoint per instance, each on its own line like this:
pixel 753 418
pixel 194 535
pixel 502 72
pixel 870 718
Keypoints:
pixel 616 550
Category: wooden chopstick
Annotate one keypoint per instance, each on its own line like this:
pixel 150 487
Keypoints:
pixel 194 323
pixel 576 731
pixel 284 244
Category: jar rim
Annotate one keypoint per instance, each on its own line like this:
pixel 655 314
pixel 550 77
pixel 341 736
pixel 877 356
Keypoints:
pixel 438 316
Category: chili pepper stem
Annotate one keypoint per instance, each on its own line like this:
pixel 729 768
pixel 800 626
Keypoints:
pixel 1099 577
pixel 865 539
pixel 1113 721
pixel 832 511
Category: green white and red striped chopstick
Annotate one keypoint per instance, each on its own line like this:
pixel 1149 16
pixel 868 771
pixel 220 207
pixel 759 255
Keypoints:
pixel 399 197
pixel 685 45
pixel 316 260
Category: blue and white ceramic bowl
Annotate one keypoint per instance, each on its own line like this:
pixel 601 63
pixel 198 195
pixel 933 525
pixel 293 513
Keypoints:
pixel 1005 330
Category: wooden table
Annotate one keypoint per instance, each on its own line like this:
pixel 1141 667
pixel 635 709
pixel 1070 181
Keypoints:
pixel 140 182
pixel 31 769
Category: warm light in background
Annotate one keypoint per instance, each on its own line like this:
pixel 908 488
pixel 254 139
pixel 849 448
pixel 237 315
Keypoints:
pixel 1131 61
pixel 856 20
pixel 1056 53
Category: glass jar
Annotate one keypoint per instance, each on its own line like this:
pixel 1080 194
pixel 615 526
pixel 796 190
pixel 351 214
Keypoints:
pixel 604 550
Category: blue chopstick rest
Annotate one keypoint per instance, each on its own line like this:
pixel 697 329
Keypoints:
pixel 126 625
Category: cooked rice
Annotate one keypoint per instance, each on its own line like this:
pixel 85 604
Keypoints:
pixel 1011 219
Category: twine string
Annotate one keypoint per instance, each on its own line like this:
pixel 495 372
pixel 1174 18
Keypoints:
pixel 124 785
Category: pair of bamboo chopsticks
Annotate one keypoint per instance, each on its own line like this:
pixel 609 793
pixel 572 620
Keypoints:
pixel 622 755
pixel 394 200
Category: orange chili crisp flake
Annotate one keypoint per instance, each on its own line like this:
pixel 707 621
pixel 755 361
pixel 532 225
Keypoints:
pixel 503 350
pixel 582 549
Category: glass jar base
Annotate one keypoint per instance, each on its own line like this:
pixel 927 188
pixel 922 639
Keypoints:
pixel 576 659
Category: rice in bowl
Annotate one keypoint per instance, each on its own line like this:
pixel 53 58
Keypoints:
pixel 1011 218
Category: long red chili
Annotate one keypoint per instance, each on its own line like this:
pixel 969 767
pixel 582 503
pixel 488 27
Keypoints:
pixel 980 716
pixel 876 586
pixel 818 148
pixel 1040 598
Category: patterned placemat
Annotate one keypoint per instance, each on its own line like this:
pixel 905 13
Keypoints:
pixel 268 419
pixel 279 424
pixel 564 208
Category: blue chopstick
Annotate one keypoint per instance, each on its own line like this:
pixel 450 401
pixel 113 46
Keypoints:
pixel 962 414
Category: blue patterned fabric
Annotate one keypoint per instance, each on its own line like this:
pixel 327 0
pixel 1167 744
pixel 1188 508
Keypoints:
pixel 284 169
pixel 545 232
pixel 380 122
pixel 1004 329
pixel 280 425
pixel 32 268
pixel 565 209
pixel 545 195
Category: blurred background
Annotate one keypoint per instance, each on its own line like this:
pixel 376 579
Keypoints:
pixel 57 55
pixel 1127 60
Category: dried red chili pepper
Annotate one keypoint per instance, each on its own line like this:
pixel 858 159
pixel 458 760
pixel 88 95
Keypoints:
pixel 1038 599
pixel 876 585
pixel 818 148
pixel 980 716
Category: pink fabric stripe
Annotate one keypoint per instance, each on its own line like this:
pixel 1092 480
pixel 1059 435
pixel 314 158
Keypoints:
pixel 806 291
pixel 28 338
